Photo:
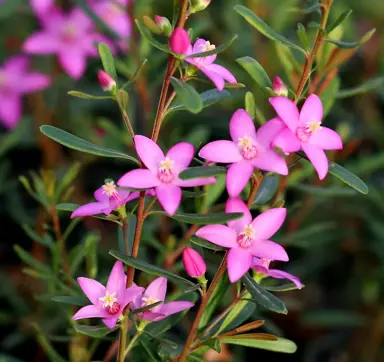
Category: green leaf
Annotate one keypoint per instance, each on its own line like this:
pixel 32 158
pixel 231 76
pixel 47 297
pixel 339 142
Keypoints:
pixel 333 318
pixel 303 37
pixel 94 331
pixel 147 307
pixel 308 10
pixel 279 345
pixel 148 36
pixel 250 104
pixel 71 141
pixel 214 343
pixel 370 85
pixel 66 206
pixel 30 260
pixel 107 60
pixel 202 172
pixel 350 45
pixel 217 50
pixel 339 20
pixel 70 300
pixel 347 177
pixel 188 95
pixel 193 194
pixel 326 191
pixel 87 96
pixel 149 268
pixel 257 72
pixel 281 288
pixel 205 244
pixel 264 28
pixel 135 75
pixel 209 98
pixel 122 99
pixel 150 348
pixel 263 297
pixel 267 190
pixel 201 219
pixel 41 239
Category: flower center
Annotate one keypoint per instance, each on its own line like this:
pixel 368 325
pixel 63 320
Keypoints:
pixel 109 188
pixel 149 301
pixel 247 148
pixel 165 173
pixel 206 47
pixel 306 131
pixel 110 303
pixel 68 33
pixel 246 237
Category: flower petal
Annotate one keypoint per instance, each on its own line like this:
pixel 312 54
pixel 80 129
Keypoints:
pixel 139 179
pixel 239 262
pixel 90 311
pixel 41 43
pixel 10 110
pixel 221 151
pixel 116 280
pixel 218 234
pixel 181 154
pixel 149 152
pixel 280 274
pixel 326 139
pixel 268 223
pixel 169 197
pixel 268 131
pixel 318 158
pixel 269 160
pixel 157 289
pixel 223 72
pixel 73 62
pixel 92 289
pixel 238 176
pixel 287 141
pixel 131 294
pixel 174 307
pixel 268 249
pixel 312 110
pixel 112 320
pixel 217 79
pixel 241 125
pixel 16 64
pixel 93 208
pixel 33 82
pixel 237 205
pixel 287 111
pixel 152 317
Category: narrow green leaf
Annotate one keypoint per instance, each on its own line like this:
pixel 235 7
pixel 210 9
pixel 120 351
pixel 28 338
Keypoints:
pixel 202 172
pixel 149 268
pixel 148 36
pixel 264 28
pixel 205 244
pixel 279 345
pixel 267 190
pixel 67 179
pixel 302 35
pixel 281 288
pixel 41 239
pixel 87 96
pixel 107 60
pixel 30 260
pixel 217 50
pixel 250 104
pixel 71 141
pixel 214 343
pixel 263 297
pixel 135 75
pixel 147 307
pixel 347 177
pixel 339 20
pixel 70 300
pixel 188 95
pixel 350 45
pixel 66 206
pixel 150 348
pixel 308 10
pixel 94 331
pixel 370 85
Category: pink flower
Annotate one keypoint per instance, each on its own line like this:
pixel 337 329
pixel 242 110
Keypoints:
pixel 16 80
pixel 154 293
pixel 194 264
pixel 246 238
pixel 179 41
pixel 108 198
pixel 247 150
pixel 108 302
pixel 69 35
pixel 279 88
pixel 41 7
pixel 215 72
pixel 107 83
pixel 304 131
pixel 162 173
pixel 261 266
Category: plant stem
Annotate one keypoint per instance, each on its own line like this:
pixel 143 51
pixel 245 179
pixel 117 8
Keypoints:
pixel 122 340
pixel 131 343
pixel 127 122
pixel 200 312
pixel 311 56
pixel 255 187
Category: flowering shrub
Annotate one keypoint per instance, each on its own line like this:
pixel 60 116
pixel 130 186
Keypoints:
pixel 185 182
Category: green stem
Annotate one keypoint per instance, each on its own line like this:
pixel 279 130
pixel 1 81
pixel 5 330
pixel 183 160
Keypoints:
pixel 122 340
pixel 132 343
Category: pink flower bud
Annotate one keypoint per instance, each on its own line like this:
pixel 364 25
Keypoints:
pixel 279 87
pixel 194 264
pixel 179 41
pixel 163 24
pixel 107 83
pixel 199 5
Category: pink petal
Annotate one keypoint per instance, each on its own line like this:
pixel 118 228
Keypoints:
pixel 268 223
pixel 16 64
pixel 174 307
pixel 92 289
pixel 326 139
pixel 139 179
pixel 199 47
pixel 33 82
pixel 131 294
pixel 90 311
pixel 100 195
pixel 157 289
pixel 73 62
pixel 181 154
pixel 149 152
pixel 238 176
pixel 279 274
pixel 237 205
pixel 119 200
pixel 312 110
pixel 93 208
pixel 10 110
pixel 221 151
pixel 41 43
pixel 41 7
pixel 223 72
pixel 218 234
pixel 287 141
pixel 268 131
pixel 269 160
pixel 116 280
pixel 152 317
pixel 217 79
pixel 318 158
pixel 112 320
pixel 241 125
pixel 169 197
pixel 287 111
pixel 239 262
pixel 268 249
pixel 195 182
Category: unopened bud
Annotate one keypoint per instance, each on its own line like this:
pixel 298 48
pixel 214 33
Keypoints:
pixel 194 264
pixel 163 24
pixel 179 41
pixel 198 5
pixel 151 25
pixel 107 83
pixel 279 88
